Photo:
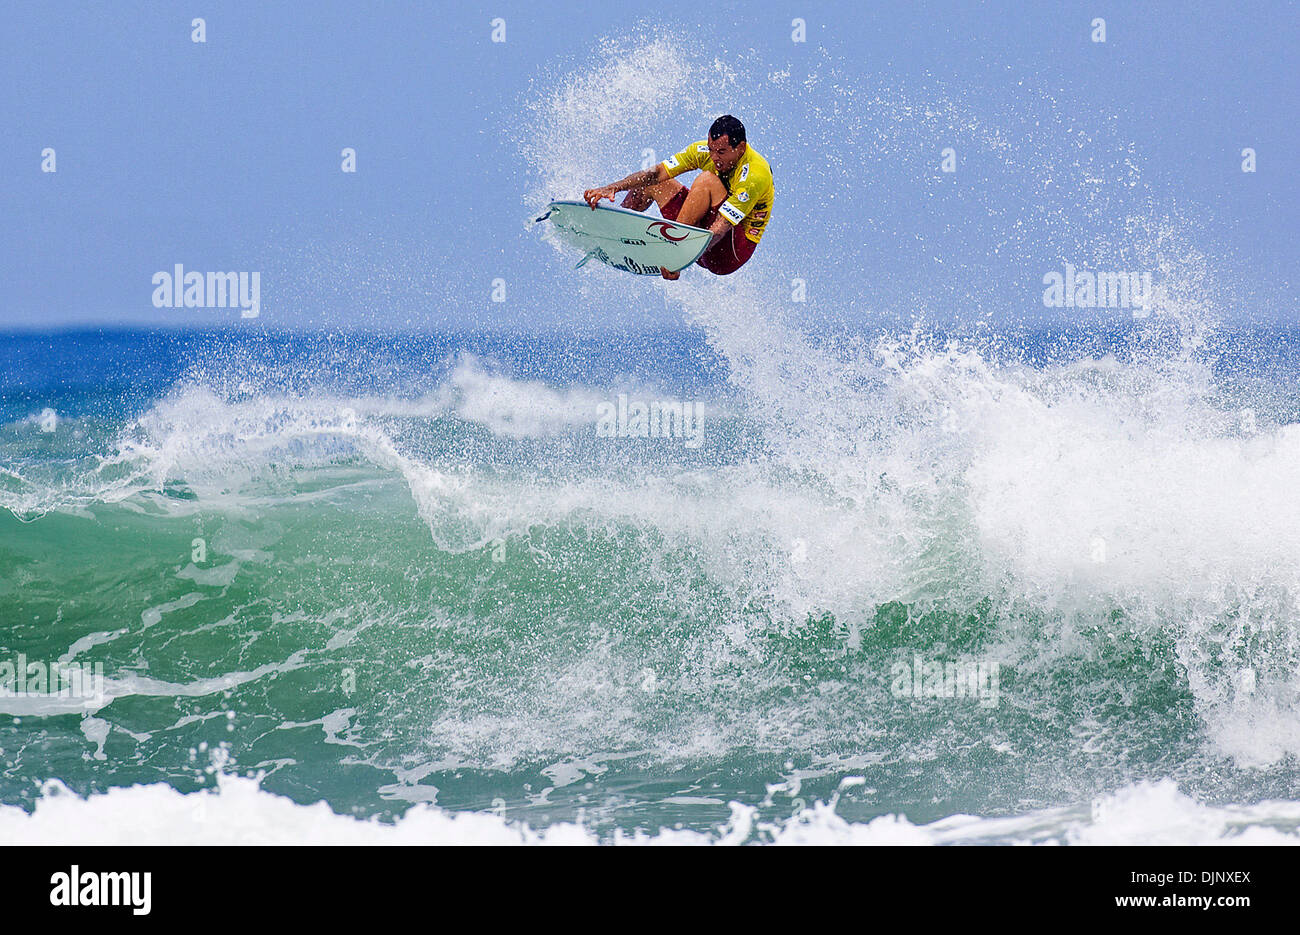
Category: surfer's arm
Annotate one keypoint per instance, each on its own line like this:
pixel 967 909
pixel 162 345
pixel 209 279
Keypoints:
pixel 719 229
pixel 640 179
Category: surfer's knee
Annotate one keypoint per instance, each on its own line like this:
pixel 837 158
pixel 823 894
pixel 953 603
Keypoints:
pixel 708 180
pixel 710 183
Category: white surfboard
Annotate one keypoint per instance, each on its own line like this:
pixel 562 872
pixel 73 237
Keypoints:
pixel 625 239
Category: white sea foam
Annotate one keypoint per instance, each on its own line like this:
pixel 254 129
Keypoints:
pixel 515 408
pixel 239 811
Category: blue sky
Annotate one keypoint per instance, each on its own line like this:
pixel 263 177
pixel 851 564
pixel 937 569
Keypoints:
pixel 226 155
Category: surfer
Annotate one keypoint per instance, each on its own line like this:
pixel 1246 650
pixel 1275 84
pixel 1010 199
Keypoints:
pixel 732 195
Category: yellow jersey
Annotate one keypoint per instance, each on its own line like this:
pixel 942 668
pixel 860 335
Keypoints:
pixel 749 185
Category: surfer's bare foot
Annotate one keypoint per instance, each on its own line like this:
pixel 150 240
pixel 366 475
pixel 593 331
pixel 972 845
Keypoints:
pixel 637 200
pixel 668 275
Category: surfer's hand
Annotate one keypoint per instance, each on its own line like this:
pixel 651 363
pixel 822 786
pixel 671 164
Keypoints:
pixel 593 196
pixel 668 275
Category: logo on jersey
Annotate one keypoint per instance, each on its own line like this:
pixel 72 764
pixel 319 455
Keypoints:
pixel 671 162
pixel 742 196
pixel 702 148
pixel 744 172
pixel 664 228
pixel 731 213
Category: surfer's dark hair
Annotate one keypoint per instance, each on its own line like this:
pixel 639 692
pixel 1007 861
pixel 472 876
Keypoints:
pixel 730 127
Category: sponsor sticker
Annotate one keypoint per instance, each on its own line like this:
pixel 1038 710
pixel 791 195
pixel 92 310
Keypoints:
pixel 665 231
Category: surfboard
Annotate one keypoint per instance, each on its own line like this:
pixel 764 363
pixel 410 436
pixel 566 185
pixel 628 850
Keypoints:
pixel 625 239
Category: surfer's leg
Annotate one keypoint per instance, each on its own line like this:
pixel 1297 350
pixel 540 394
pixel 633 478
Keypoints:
pixel 707 192
pixel 728 254
pixel 638 199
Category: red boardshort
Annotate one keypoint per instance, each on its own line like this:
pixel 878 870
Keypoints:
pixel 728 254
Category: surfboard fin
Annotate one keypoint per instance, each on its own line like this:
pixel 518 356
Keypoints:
pixel 583 261
pixel 543 217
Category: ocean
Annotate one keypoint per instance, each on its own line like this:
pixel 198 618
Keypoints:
pixel 928 588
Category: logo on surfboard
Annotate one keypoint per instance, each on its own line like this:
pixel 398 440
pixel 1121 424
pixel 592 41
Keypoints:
pixel 665 227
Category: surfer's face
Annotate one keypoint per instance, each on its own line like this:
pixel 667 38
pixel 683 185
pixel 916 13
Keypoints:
pixel 724 155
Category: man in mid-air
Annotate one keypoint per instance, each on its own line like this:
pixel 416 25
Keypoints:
pixel 732 195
